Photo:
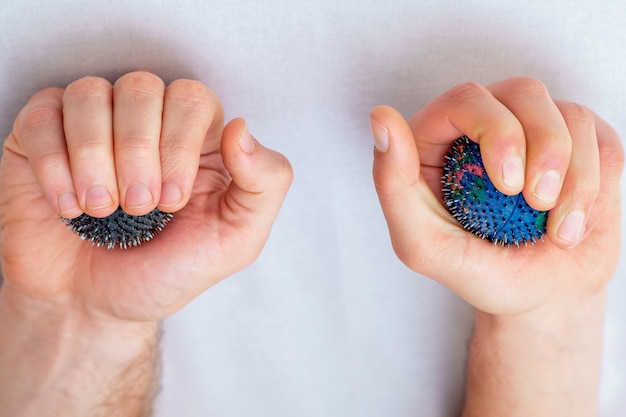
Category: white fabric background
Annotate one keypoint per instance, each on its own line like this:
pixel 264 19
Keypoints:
pixel 327 322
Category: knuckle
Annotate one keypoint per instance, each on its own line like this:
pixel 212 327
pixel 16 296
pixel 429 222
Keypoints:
pixel 48 162
pixel 577 117
pixel 192 93
pixel 176 157
pixel 35 119
pixel 192 89
pixel 176 145
pixel 140 83
pixel 284 171
pixel 91 148
pixel 612 157
pixel 618 154
pixel 87 87
pixel 527 86
pixel 558 143
pixel 136 145
pixel 586 190
pixel 468 91
pixel 576 112
pixel 136 153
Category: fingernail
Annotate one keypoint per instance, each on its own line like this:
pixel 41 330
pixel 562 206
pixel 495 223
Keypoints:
pixel 513 172
pixel 246 141
pixel 547 189
pixel 381 136
pixel 68 203
pixel 138 195
pixel 572 227
pixel 98 197
pixel 170 194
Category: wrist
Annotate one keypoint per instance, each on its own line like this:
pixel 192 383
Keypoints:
pixel 51 349
pixel 570 321
pixel 65 319
pixel 543 362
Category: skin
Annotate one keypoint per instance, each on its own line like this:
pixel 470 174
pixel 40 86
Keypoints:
pixel 535 305
pixel 86 149
pixel 78 333
pixel 152 136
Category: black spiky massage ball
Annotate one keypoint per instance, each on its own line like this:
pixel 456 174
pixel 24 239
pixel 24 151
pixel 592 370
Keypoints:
pixel 119 229
pixel 474 201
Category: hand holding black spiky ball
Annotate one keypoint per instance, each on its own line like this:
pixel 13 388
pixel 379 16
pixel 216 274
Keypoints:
pixel 138 144
pixel 89 149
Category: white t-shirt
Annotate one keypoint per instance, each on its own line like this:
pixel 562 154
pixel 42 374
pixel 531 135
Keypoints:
pixel 327 322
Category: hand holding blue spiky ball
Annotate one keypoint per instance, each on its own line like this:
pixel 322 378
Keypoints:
pixel 475 202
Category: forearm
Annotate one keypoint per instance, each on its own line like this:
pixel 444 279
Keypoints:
pixel 545 363
pixel 55 360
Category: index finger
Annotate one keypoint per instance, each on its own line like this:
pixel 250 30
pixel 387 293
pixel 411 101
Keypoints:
pixel 39 137
pixel 470 109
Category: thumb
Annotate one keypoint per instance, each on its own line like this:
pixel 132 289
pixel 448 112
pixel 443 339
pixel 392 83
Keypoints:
pixel 260 177
pixel 422 232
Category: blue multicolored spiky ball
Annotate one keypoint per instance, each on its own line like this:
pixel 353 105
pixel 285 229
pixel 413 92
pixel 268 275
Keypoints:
pixel 119 229
pixel 475 202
